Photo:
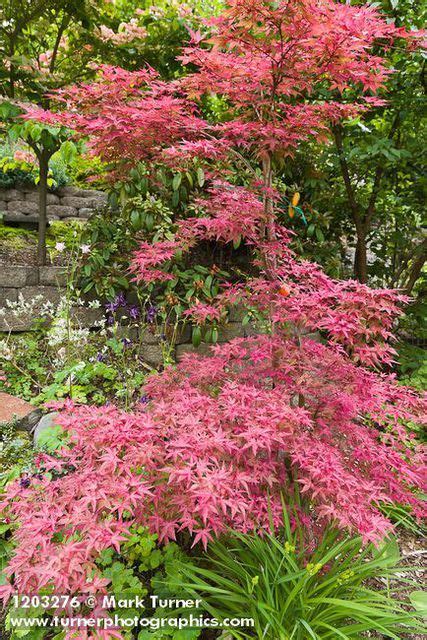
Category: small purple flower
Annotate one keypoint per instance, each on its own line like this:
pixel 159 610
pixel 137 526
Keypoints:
pixel 111 307
pixel 126 342
pixel 151 313
pixel 120 300
pixel 99 357
pixel 134 312
pixel 144 400
pixel 110 320
pixel 25 482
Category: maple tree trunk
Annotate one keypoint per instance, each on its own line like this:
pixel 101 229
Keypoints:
pixel 360 259
pixel 268 231
pixel 43 173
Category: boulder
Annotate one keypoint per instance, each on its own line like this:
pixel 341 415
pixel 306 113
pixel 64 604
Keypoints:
pixel 93 193
pixel 18 322
pixel 85 317
pixel 44 424
pixel 235 330
pixel 14 409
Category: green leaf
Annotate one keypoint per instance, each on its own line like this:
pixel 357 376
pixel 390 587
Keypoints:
pixel 200 177
pixel 176 182
pixel 419 601
pixel 196 336
pixel 319 234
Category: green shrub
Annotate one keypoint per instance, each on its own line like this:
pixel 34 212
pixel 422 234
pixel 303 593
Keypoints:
pixel 413 366
pixel 339 590
pixel 17 172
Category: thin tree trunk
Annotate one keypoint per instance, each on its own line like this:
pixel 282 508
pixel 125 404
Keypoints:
pixel 360 258
pixel 268 231
pixel 416 269
pixel 43 173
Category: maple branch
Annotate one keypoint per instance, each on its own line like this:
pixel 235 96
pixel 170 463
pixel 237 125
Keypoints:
pixel 64 24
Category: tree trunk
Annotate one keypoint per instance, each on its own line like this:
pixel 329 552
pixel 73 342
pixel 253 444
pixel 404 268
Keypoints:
pixel 43 173
pixel 416 269
pixel 268 231
pixel 360 259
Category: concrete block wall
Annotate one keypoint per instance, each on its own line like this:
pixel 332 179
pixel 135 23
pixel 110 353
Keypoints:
pixel 47 281
pixel 21 204
pixel 31 282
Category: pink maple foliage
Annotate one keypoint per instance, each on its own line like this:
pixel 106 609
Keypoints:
pixel 309 403
pixel 222 439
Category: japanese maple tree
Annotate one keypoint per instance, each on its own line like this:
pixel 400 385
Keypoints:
pixel 224 437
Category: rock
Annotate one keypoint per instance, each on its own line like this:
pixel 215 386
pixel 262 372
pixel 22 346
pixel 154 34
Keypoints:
pixel 152 354
pixel 3 205
pixel 22 206
pixel 235 330
pixel 49 294
pixel 15 323
pixel 68 191
pixel 16 277
pixel 33 196
pixel 15 216
pixel 93 193
pixel 95 203
pixel 44 424
pixel 54 276
pixel 85 212
pixel 150 337
pixel 75 202
pixel 11 194
pixel 8 294
pixel 183 335
pixel 85 317
pixel 12 408
pixel 183 349
pixel 61 211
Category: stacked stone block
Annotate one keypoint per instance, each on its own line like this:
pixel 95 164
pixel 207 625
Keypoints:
pixel 21 204
pixel 31 282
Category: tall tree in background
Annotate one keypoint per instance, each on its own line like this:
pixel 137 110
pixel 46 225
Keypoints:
pixel 365 193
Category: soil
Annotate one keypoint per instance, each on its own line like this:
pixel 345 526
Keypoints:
pixel 22 251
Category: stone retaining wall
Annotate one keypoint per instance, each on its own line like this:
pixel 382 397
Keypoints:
pixel 31 282
pixel 21 204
